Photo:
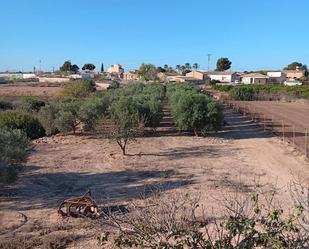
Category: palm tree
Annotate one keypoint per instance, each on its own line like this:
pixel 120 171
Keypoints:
pixel 196 66
pixel 187 66
pixel 182 69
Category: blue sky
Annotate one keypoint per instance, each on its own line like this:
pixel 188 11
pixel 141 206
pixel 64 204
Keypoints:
pixel 253 34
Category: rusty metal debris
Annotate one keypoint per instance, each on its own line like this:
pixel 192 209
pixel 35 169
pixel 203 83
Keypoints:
pixel 84 207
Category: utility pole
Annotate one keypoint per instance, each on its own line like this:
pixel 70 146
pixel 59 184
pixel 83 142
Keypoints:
pixel 40 66
pixel 209 56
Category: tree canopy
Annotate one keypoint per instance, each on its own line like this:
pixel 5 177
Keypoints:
pixel 294 65
pixel 223 64
pixel 147 72
pixel 68 67
pixel 88 66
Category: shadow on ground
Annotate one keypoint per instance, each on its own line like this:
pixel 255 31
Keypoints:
pixel 48 190
pixel 239 126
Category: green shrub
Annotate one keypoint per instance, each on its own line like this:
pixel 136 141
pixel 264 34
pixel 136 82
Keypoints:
pixel 261 92
pixel 214 115
pixel 114 85
pixel 5 105
pixel 30 104
pixel 47 117
pixel 222 88
pixel 67 118
pixel 79 89
pixel 22 121
pixel 244 93
pixel 193 110
pixel 14 146
pixel 148 100
pixel 92 109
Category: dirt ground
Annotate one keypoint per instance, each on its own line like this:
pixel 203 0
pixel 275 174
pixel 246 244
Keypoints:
pixel 24 90
pixel 289 120
pixel 65 166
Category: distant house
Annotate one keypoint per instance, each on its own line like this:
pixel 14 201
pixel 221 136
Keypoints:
pixel 130 76
pixel 115 69
pixel 225 77
pixel 183 79
pixel 198 75
pixel 163 76
pixel 254 78
pixel 11 76
pixel 29 76
pixel 276 77
pixel 294 74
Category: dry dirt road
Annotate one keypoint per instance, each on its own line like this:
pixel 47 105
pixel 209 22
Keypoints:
pixel 290 120
pixel 236 158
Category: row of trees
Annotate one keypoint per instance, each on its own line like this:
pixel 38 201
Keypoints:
pixel 193 110
pixel 119 114
pixel 69 67
pixel 264 92
pixel 148 72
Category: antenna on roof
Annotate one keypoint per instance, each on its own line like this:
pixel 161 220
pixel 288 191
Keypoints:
pixel 209 56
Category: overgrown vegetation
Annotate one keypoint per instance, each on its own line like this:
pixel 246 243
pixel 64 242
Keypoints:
pixel 248 221
pixel 14 146
pixel 21 121
pixel 30 104
pixel 133 108
pixel 119 114
pixel 193 110
pixel 5 105
pixel 78 89
pixel 264 92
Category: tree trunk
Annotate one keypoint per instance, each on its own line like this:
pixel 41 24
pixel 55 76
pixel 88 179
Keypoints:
pixel 123 148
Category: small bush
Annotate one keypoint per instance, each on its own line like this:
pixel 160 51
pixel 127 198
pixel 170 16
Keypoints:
pixel 47 117
pixel 14 146
pixel 67 118
pixel 79 89
pixel 30 104
pixel 5 105
pixel 21 121
pixel 92 109
pixel 193 110
pixel 114 85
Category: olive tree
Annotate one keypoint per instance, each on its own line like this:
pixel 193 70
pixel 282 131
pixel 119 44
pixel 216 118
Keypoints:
pixel 124 122
pixel 14 150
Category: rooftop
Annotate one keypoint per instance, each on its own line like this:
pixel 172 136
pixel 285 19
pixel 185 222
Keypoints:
pixel 220 73
pixel 255 75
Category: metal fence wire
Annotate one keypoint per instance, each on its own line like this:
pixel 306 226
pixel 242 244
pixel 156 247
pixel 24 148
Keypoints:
pixel 289 132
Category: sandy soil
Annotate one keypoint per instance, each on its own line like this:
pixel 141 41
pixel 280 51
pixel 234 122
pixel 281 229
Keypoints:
pixel 40 91
pixel 290 120
pixel 241 155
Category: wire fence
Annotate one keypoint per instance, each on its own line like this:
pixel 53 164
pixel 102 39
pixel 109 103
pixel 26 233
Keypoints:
pixel 293 133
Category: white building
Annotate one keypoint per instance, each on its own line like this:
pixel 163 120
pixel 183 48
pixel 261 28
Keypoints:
pixel 276 77
pixel 254 78
pixel 115 69
pixel 226 77
pixel 11 76
pixel 29 76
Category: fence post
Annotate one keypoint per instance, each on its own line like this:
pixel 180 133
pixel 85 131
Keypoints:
pixel 306 144
pixel 264 123
pixel 282 130
pixel 293 135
